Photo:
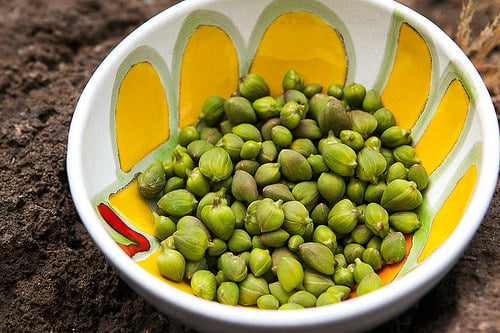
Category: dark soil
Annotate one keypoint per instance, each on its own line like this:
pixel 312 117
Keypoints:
pixel 52 276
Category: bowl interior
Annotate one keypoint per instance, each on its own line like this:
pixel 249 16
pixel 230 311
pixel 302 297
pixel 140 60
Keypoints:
pixel 155 81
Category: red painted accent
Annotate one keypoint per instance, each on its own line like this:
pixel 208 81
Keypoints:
pixel 141 242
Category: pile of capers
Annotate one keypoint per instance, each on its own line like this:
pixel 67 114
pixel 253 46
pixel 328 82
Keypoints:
pixel 286 202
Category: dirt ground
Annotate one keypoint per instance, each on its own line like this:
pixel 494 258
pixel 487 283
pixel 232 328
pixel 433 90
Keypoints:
pixel 52 276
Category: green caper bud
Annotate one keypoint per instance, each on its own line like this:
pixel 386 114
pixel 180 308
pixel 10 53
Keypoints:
pixel 374 143
pixel 372 101
pixel 270 215
pixel 219 276
pixel 290 273
pixel 290 306
pixel 306 193
pixel 194 266
pixel 393 247
pixel 294 241
pixel 377 219
pixel 291 114
pixel 341 159
pixel 319 214
pixel 240 211
pixel 204 285
pixel 268 152
pixel 418 175
pixel 401 195
pixel 353 251
pixel 324 235
pixel 268 302
pixel 281 136
pixel 374 243
pixel 226 126
pixel 168 243
pixel 318 257
pixel 239 241
pixel 395 136
pixel 266 107
pixel 191 241
pixel 251 289
pixel 294 166
pixel 387 153
pixel 228 293
pixel 293 95
pixel 189 220
pixel 315 282
pixel 343 216
pixel 249 166
pixel 245 255
pixel 197 183
pixel 355 190
pixel 278 253
pixel 276 289
pixel 260 261
pixel 342 292
pixel 327 298
pixel 208 199
pixel 317 163
pixel 256 244
pixel 396 170
pixel 174 183
pixel 343 276
pixel 231 143
pixel 304 298
pixel 177 203
pixel 244 187
pixel 369 283
pixel 187 135
pixel 339 257
pixel 292 80
pixel 239 110
pixel 312 89
pixel 330 139
pixel 406 222
pixel 196 148
pixel 371 165
pixel 163 226
pixel 361 270
pixel 266 128
pixel 304 146
pixel 317 104
pixel 152 180
pixel 354 94
pixel 233 267
pixel 276 238
pixel 385 119
pixel 268 173
pixel 361 234
pixel 212 110
pixel 334 117
pixel 171 264
pixel 247 132
pixel 406 154
pixel 363 122
pixel 296 217
pixel 335 90
pixel 250 150
pixel 331 186
pixel 251 225
pixel 277 192
pixel 253 86
pixel 226 183
pixel 352 138
pixel 372 257
pixel 216 247
pixel 168 167
pixel 373 192
pixel 219 218
pixel 215 164
pixel 210 134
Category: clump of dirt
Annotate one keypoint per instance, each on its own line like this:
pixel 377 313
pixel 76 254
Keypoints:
pixel 53 278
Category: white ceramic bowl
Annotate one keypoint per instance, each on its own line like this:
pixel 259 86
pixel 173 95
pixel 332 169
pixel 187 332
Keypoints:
pixel 154 81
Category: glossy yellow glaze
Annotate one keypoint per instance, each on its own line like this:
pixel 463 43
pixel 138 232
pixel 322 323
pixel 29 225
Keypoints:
pixel 141 115
pixel 450 213
pixel 209 67
pixel 132 206
pixel 149 264
pixel 303 42
pixel 408 85
pixel 444 128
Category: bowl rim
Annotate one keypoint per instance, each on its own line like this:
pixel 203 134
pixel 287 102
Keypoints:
pixel 405 290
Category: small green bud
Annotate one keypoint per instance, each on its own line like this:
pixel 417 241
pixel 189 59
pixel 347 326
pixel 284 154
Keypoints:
pixel 341 159
pixel 418 175
pixel 251 289
pixel 174 183
pixel 331 186
pixel 163 226
pixel 395 136
pixel 317 256
pixel 304 146
pixel 250 150
pixel 294 241
pixel 294 166
pixel 266 107
pixel 215 164
pixel 233 267
pixel 353 251
pixel 248 166
pixel 308 129
pixel 239 241
pixel 406 222
pixel 385 119
pixel 312 89
pixel 281 136
pixel 373 258
pixel 401 195
pixel 377 219
pixel 196 148
pixel 291 114
pixel 260 261
pixel 363 122
pixel 270 215
pixel 393 247
pixel 397 170
pixel 253 86
pixel 276 238
pixel 228 293
pixel 216 247
pixel 266 128
pixel 212 110
pixel 219 218
pixel 369 283
pixel 268 302
pixel 293 80
pixel 406 154
pixel 244 187
pixel 352 138
pixel 231 143
pixel 210 134
pixel 191 241
pixel 354 94
pixel 197 183
pixel 344 277
pixel 204 285
pixel 152 180
pixel 278 192
pixel 361 234
pixel 187 135
pixel 171 264
pixel 290 273
pixel 374 192
pixel 304 298
pixel 276 289
pixel 372 101
pixel 371 165
pixel 361 270
pixel 334 117
pixel 177 203
pixel 268 152
pixel 355 190
pixel 194 266
pixel 335 90
pixel 343 217
pixel 324 235
pixel 296 217
pixel 268 173
pixel 247 132
pixel 307 193
pixel 327 298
